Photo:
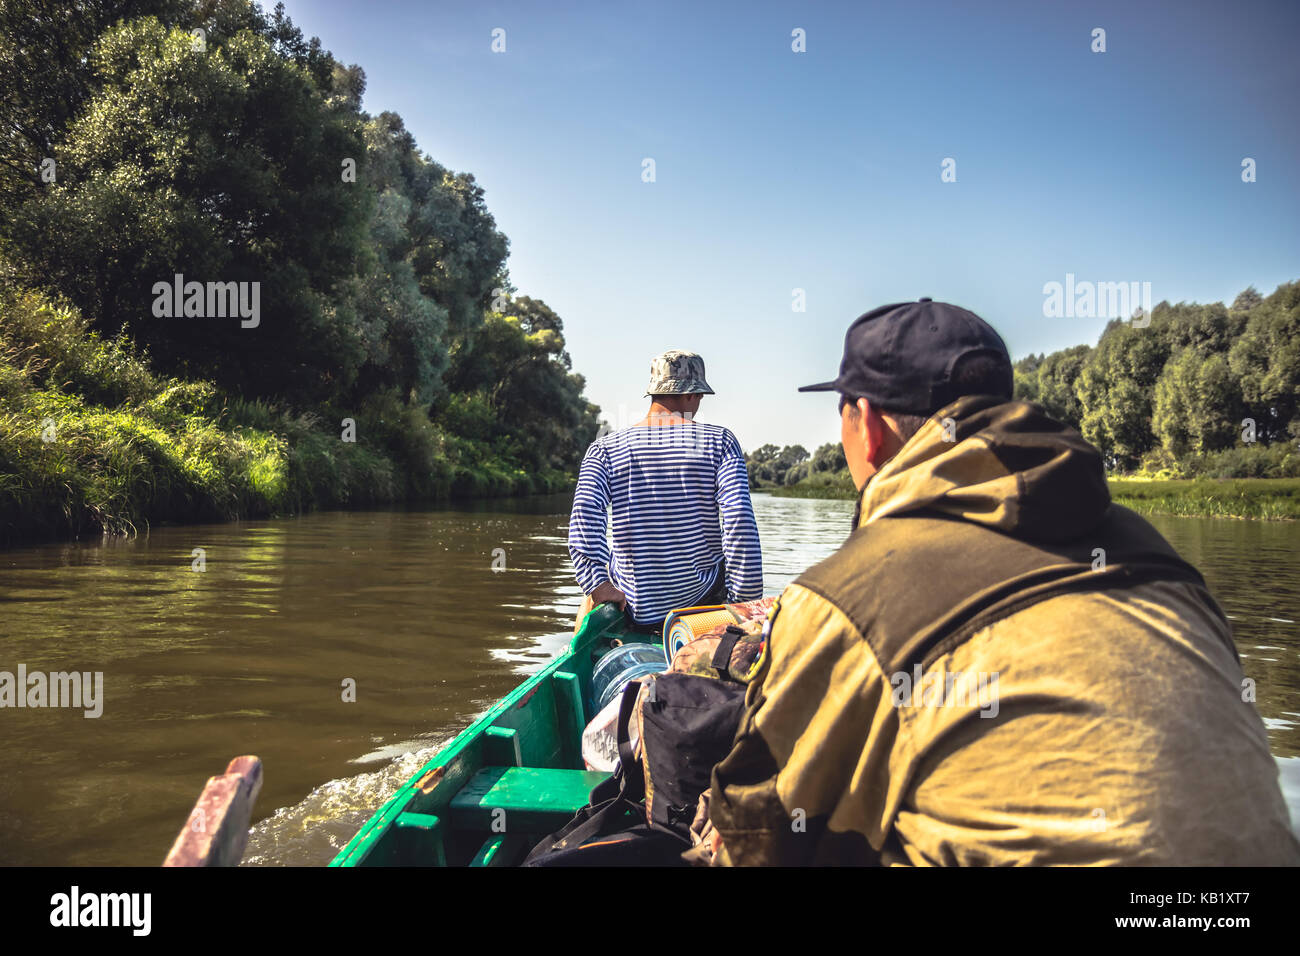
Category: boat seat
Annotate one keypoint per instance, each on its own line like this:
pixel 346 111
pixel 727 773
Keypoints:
pixel 528 799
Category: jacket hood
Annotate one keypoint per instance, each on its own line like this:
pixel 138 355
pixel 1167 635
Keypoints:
pixel 1004 464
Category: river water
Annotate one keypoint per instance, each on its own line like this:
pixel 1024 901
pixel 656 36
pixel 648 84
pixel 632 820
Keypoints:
pixel 434 615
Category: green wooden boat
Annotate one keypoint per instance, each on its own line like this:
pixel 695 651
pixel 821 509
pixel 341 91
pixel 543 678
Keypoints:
pixel 517 774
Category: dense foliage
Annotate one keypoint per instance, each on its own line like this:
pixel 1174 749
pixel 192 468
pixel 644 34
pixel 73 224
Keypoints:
pixel 135 150
pixel 770 466
pixel 1202 390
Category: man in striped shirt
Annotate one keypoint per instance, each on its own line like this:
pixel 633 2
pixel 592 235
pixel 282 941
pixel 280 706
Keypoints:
pixel 683 525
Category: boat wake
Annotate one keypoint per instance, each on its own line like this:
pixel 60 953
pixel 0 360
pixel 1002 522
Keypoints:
pixel 312 831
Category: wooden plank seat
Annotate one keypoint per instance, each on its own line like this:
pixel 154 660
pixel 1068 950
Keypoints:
pixel 522 799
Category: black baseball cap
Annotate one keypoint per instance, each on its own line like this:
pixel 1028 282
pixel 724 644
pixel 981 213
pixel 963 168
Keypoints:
pixel 902 356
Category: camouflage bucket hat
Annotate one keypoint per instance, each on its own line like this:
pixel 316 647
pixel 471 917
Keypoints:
pixel 678 373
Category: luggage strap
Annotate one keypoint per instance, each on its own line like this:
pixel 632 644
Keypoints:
pixel 722 653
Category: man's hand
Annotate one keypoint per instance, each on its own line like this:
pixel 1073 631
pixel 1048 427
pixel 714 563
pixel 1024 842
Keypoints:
pixel 607 593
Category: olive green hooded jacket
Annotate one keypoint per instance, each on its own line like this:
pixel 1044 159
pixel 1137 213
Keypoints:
pixel 999 666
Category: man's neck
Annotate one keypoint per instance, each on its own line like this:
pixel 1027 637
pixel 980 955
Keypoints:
pixel 663 415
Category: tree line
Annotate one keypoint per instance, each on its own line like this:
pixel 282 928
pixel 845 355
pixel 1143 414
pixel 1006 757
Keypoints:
pixel 146 141
pixel 770 466
pixel 1189 390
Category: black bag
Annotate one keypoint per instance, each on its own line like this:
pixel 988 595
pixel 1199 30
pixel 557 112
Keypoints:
pixel 688 723
pixel 614 805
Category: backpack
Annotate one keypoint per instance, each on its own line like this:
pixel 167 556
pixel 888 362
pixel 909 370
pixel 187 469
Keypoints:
pixel 686 720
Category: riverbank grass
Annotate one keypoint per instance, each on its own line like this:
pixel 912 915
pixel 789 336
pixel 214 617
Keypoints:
pixel 823 484
pixel 93 440
pixel 1264 498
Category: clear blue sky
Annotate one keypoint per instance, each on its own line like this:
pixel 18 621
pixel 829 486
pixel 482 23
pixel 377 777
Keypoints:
pixel 821 170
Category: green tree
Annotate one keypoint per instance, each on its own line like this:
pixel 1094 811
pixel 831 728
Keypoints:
pixel 45 77
pixel 1115 387
pixel 1265 359
pixel 1057 378
pixel 247 158
pixel 220 164
pixel 1246 300
pixel 1025 373
pixel 769 465
pixel 1183 384
pixel 1198 406
pixel 510 386
pixel 829 457
pixel 790 456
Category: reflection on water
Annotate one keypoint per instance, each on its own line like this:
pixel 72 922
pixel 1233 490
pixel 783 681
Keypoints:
pixel 249 656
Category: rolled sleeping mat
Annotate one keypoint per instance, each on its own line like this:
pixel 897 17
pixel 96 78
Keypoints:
pixel 685 625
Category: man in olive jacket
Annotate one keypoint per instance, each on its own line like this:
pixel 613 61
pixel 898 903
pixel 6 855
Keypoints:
pixel 999 666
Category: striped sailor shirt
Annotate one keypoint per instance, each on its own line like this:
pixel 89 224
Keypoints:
pixel 679 495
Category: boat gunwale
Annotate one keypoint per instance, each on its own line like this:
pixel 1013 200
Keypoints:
pixel 355 851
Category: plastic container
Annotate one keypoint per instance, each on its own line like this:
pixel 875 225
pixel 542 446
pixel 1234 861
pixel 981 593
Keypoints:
pixel 622 664
pixel 600 739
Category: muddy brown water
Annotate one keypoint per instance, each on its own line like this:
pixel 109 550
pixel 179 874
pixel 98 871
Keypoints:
pixel 250 655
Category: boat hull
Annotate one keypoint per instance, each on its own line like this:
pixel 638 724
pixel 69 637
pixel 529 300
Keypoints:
pixel 513 776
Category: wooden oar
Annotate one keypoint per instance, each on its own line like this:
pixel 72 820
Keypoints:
pixel 217 830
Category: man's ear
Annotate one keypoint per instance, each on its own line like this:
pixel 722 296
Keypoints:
pixel 871 429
